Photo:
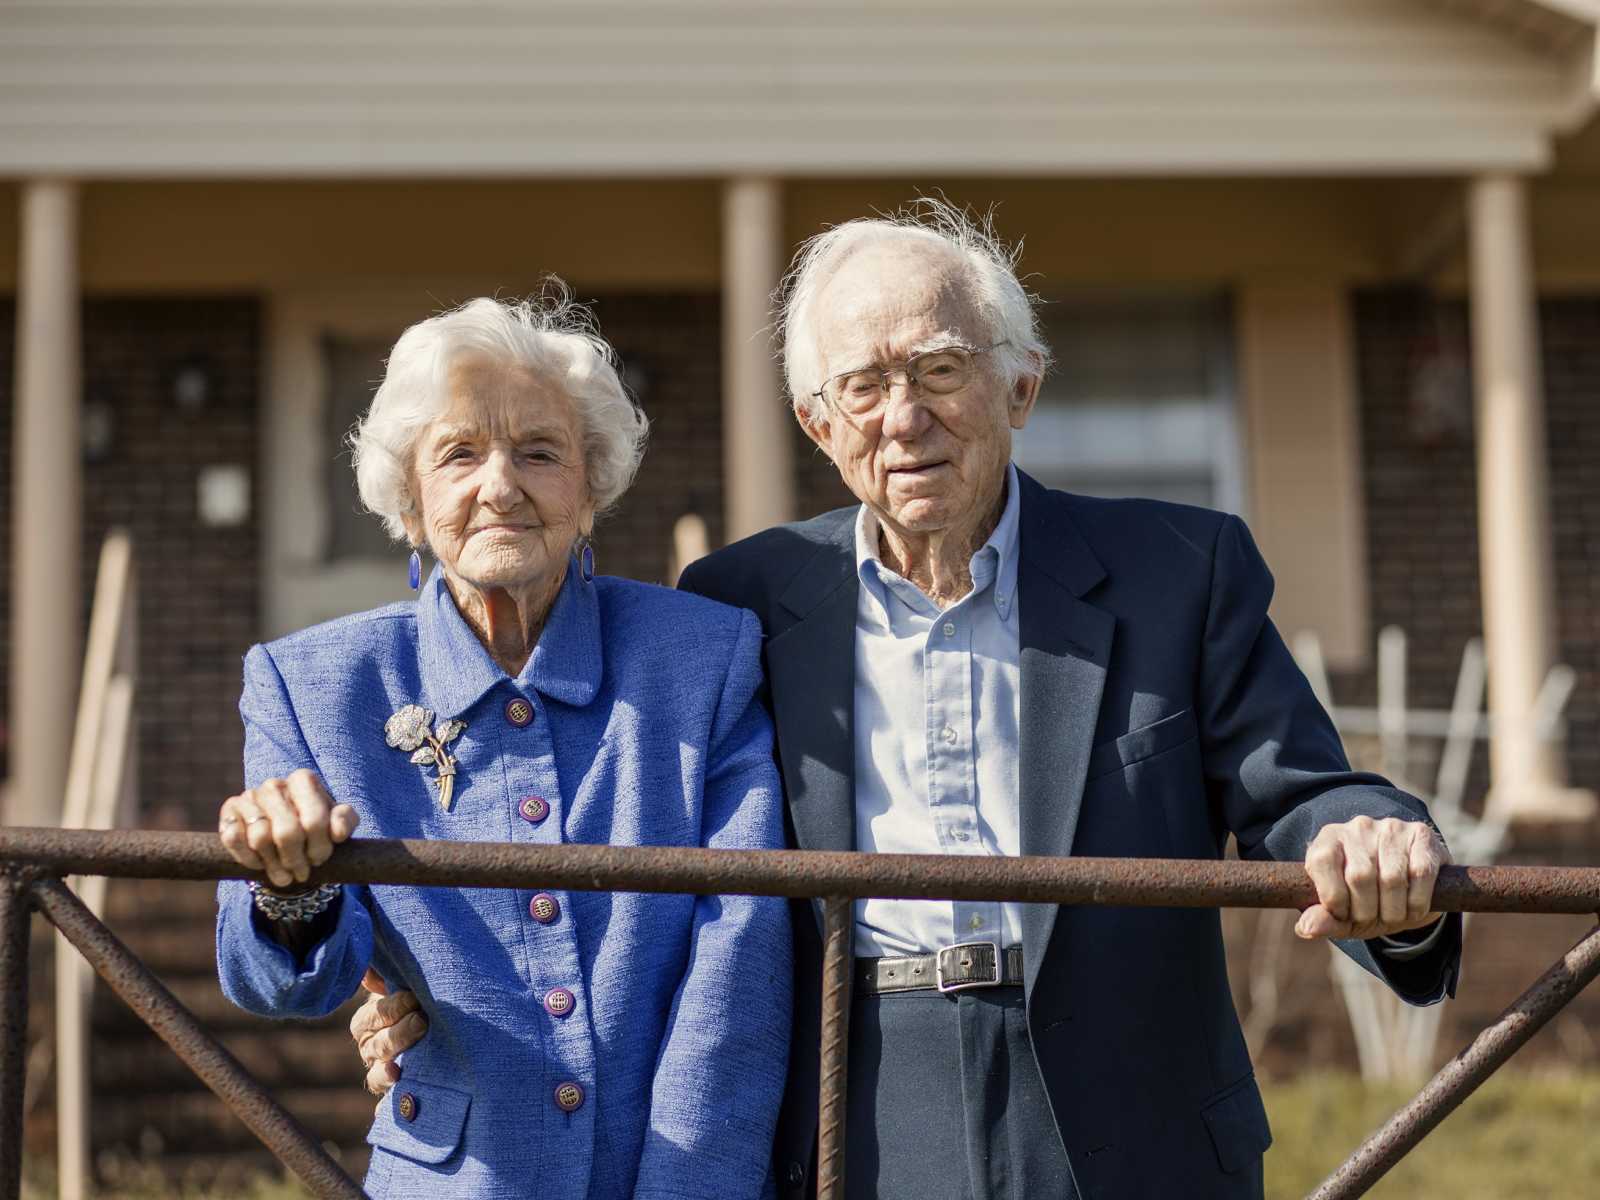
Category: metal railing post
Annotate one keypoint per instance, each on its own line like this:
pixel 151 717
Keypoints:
pixel 15 908
pixel 837 922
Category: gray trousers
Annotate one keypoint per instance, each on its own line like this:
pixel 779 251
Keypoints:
pixel 946 1101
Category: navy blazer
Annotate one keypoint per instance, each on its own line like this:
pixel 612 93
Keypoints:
pixel 1160 712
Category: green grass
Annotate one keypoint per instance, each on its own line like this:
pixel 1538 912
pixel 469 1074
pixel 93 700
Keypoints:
pixel 1520 1137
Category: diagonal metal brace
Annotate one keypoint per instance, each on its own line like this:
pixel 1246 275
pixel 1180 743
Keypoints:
pixel 204 1055
pixel 1463 1074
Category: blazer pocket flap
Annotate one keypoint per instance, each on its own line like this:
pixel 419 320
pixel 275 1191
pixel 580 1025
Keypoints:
pixel 420 1121
pixel 1237 1122
pixel 1145 742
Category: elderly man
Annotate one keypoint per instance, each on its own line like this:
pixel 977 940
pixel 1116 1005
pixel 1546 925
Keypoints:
pixel 968 663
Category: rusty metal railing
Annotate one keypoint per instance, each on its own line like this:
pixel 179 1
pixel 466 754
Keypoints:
pixel 32 862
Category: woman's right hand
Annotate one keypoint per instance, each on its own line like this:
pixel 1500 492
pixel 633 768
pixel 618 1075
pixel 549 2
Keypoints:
pixel 285 827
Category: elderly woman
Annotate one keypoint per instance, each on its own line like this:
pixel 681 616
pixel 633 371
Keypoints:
pixel 579 1044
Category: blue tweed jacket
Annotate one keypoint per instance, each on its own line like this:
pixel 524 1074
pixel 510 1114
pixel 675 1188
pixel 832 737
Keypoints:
pixel 646 729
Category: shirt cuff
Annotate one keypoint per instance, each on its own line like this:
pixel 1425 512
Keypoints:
pixel 1402 948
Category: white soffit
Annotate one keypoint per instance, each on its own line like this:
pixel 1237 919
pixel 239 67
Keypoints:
pixel 254 88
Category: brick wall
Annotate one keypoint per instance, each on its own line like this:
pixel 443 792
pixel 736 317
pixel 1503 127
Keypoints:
pixel 1421 497
pixel 197 586
pixel 671 348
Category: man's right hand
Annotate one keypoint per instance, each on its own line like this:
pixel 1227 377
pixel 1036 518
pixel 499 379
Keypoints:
pixel 383 1027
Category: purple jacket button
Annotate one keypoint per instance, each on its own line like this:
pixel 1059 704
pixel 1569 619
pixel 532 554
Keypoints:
pixel 519 712
pixel 558 1002
pixel 534 809
pixel 544 908
pixel 408 1106
pixel 569 1097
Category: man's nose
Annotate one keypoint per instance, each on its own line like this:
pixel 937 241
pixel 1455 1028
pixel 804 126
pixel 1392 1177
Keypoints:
pixel 903 413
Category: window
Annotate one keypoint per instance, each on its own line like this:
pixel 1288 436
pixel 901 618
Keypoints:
pixel 354 369
pixel 1140 401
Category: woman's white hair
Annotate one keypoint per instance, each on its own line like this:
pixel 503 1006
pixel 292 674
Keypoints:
pixel 550 334
pixel 999 296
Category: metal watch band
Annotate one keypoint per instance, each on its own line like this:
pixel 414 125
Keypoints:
pixel 292 906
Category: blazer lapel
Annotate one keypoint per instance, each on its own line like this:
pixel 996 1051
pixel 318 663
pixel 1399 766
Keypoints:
pixel 1066 648
pixel 812 669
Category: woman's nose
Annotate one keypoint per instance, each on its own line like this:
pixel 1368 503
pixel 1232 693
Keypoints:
pixel 498 485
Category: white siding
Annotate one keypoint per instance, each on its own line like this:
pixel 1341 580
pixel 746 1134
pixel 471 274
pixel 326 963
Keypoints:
pixel 447 87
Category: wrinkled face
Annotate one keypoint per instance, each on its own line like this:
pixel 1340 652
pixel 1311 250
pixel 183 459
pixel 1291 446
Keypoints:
pixel 923 463
pixel 500 480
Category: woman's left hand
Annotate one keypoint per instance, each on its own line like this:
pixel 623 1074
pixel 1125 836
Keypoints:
pixel 285 827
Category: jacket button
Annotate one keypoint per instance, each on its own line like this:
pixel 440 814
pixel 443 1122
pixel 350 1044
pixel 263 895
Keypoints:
pixel 408 1106
pixel 544 908
pixel 569 1097
pixel 519 712
pixel 534 809
pixel 558 1002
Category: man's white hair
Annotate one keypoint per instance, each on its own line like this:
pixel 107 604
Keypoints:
pixel 999 296
pixel 551 335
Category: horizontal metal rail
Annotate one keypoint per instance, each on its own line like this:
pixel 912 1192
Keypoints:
pixel 1130 882
pixel 32 859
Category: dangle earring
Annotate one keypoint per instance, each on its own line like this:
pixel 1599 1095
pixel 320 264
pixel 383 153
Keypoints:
pixel 586 560
pixel 415 574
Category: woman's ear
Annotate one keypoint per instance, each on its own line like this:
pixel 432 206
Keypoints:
pixel 416 535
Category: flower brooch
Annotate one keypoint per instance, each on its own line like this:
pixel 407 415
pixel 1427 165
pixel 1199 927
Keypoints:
pixel 409 730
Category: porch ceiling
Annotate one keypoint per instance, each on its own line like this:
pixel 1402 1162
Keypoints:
pixel 253 88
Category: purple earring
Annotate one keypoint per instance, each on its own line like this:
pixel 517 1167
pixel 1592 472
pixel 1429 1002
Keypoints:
pixel 586 561
pixel 415 570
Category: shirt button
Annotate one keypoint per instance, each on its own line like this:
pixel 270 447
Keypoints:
pixel 948 734
pixel 408 1106
pixel 558 1002
pixel 544 908
pixel 569 1097
pixel 519 712
pixel 949 629
pixel 534 809
pixel 961 835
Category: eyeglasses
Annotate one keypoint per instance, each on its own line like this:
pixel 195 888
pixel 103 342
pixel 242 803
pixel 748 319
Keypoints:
pixel 933 372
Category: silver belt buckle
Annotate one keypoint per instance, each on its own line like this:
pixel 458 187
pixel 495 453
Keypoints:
pixel 994 957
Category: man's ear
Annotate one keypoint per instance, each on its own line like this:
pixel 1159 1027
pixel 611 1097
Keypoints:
pixel 1024 394
pixel 815 423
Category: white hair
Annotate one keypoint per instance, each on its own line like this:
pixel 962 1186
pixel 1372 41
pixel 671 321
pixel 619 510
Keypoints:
pixel 999 296
pixel 550 334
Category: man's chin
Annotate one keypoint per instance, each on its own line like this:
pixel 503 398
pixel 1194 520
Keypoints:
pixel 922 514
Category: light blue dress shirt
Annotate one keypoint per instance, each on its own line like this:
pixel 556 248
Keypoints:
pixel 939 777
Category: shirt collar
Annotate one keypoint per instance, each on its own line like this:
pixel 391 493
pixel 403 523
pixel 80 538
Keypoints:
pixel 995 562
pixel 456 669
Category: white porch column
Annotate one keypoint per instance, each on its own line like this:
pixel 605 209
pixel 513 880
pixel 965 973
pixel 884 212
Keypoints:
pixel 757 458
pixel 1527 776
pixel 46 503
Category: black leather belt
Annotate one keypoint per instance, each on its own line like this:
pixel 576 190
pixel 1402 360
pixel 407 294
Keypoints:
pixel 954 969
